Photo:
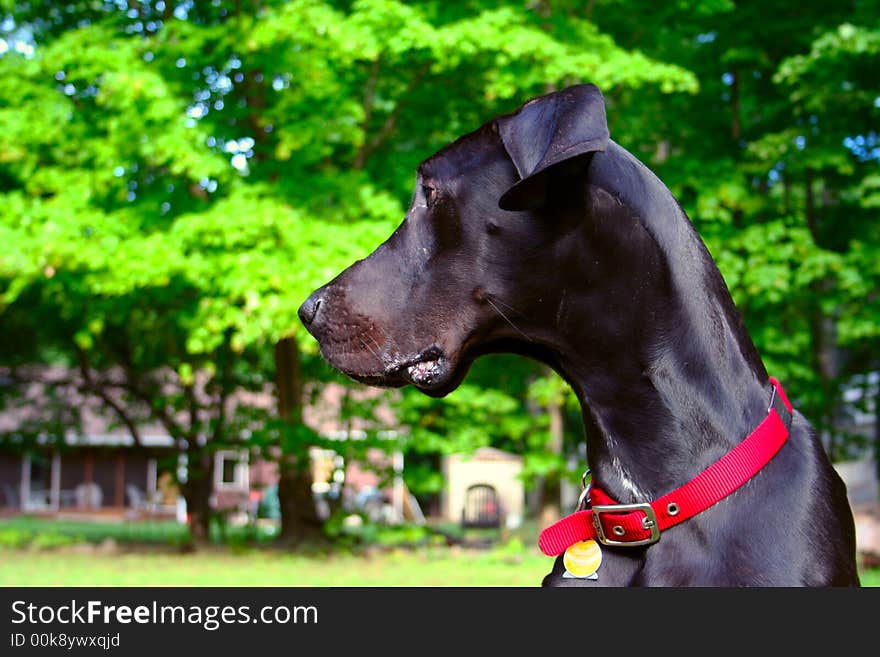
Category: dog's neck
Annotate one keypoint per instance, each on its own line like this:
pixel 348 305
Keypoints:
pixel 667 376
pixel 650 428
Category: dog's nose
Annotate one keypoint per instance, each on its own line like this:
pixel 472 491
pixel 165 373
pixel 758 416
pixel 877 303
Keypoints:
pixel 309 309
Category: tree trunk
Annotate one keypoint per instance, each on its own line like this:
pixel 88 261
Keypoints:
pixel 736 120
pixel 823 330
pixel 810 205
pixel 299 515
pixel 197 492
pixel 549 509
pixel 877 424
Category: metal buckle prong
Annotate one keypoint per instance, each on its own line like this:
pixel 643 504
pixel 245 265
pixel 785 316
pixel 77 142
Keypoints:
pixel 585 490
pixel 772 399
pixel 649 522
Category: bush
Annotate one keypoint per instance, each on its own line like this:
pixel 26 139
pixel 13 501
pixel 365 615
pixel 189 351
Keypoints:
pixel 17 538
pixel 51 540
pixel 511 552
pixel 13 537
pixel 365 532
pixel 21 530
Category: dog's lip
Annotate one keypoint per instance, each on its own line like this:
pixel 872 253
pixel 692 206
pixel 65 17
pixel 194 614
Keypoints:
pixel 429 354
pixel 431 370
pixel 428 369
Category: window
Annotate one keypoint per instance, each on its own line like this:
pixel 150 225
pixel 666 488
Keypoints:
pixel 231 470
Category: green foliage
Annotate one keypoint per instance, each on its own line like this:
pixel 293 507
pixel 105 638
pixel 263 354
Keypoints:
pixel 52 540
pixel 48 538
pixel 366 533
pixel 13 537
pixel 21 531
pixel 775 160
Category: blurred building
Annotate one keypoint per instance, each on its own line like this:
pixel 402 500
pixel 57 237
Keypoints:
pixel 499 470
pixel 98 469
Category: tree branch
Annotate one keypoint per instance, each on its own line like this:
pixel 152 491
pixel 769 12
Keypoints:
pixel 193 403
pixel 372 145
pixel 133 385
pixel 810 205
pixel 98 389
pixel 223 393
pixel 369 96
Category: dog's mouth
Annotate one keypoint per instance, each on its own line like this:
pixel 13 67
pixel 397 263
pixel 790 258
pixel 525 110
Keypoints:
pixel 430 369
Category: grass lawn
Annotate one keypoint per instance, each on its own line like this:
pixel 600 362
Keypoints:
pixel 41 552
pixel 424 567
pixel 36 552
pixel 220 567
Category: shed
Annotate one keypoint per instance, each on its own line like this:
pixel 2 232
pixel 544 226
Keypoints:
pixel 494 467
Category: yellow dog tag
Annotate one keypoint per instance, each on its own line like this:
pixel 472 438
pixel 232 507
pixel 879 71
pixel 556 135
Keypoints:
pixel 582 559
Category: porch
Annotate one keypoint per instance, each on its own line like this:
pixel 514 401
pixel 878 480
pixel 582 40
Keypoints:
pixel 95 481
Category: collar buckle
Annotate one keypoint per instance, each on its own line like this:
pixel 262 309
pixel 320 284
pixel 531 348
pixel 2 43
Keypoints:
pixel 649 523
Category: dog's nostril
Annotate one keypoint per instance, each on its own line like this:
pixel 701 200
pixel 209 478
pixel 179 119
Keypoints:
pixel 309 309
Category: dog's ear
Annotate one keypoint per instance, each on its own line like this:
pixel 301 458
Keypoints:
pixel 548 131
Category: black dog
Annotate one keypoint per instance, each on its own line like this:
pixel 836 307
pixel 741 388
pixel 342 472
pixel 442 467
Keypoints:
pixel 538 235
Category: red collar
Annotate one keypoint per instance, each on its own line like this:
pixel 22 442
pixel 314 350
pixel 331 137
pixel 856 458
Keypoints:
pixel 630 525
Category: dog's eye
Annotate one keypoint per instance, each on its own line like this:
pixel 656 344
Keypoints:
pixel 430 194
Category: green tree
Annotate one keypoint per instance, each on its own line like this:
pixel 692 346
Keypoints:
pixel 775 160
pixel 177 176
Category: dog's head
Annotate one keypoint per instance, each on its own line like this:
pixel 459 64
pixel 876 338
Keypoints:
pixel 468 269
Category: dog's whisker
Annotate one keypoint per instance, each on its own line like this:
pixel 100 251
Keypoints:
pixel 368 347
pixel 378 348
pixel 381 353
pixel 506 318
pixel 506 305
